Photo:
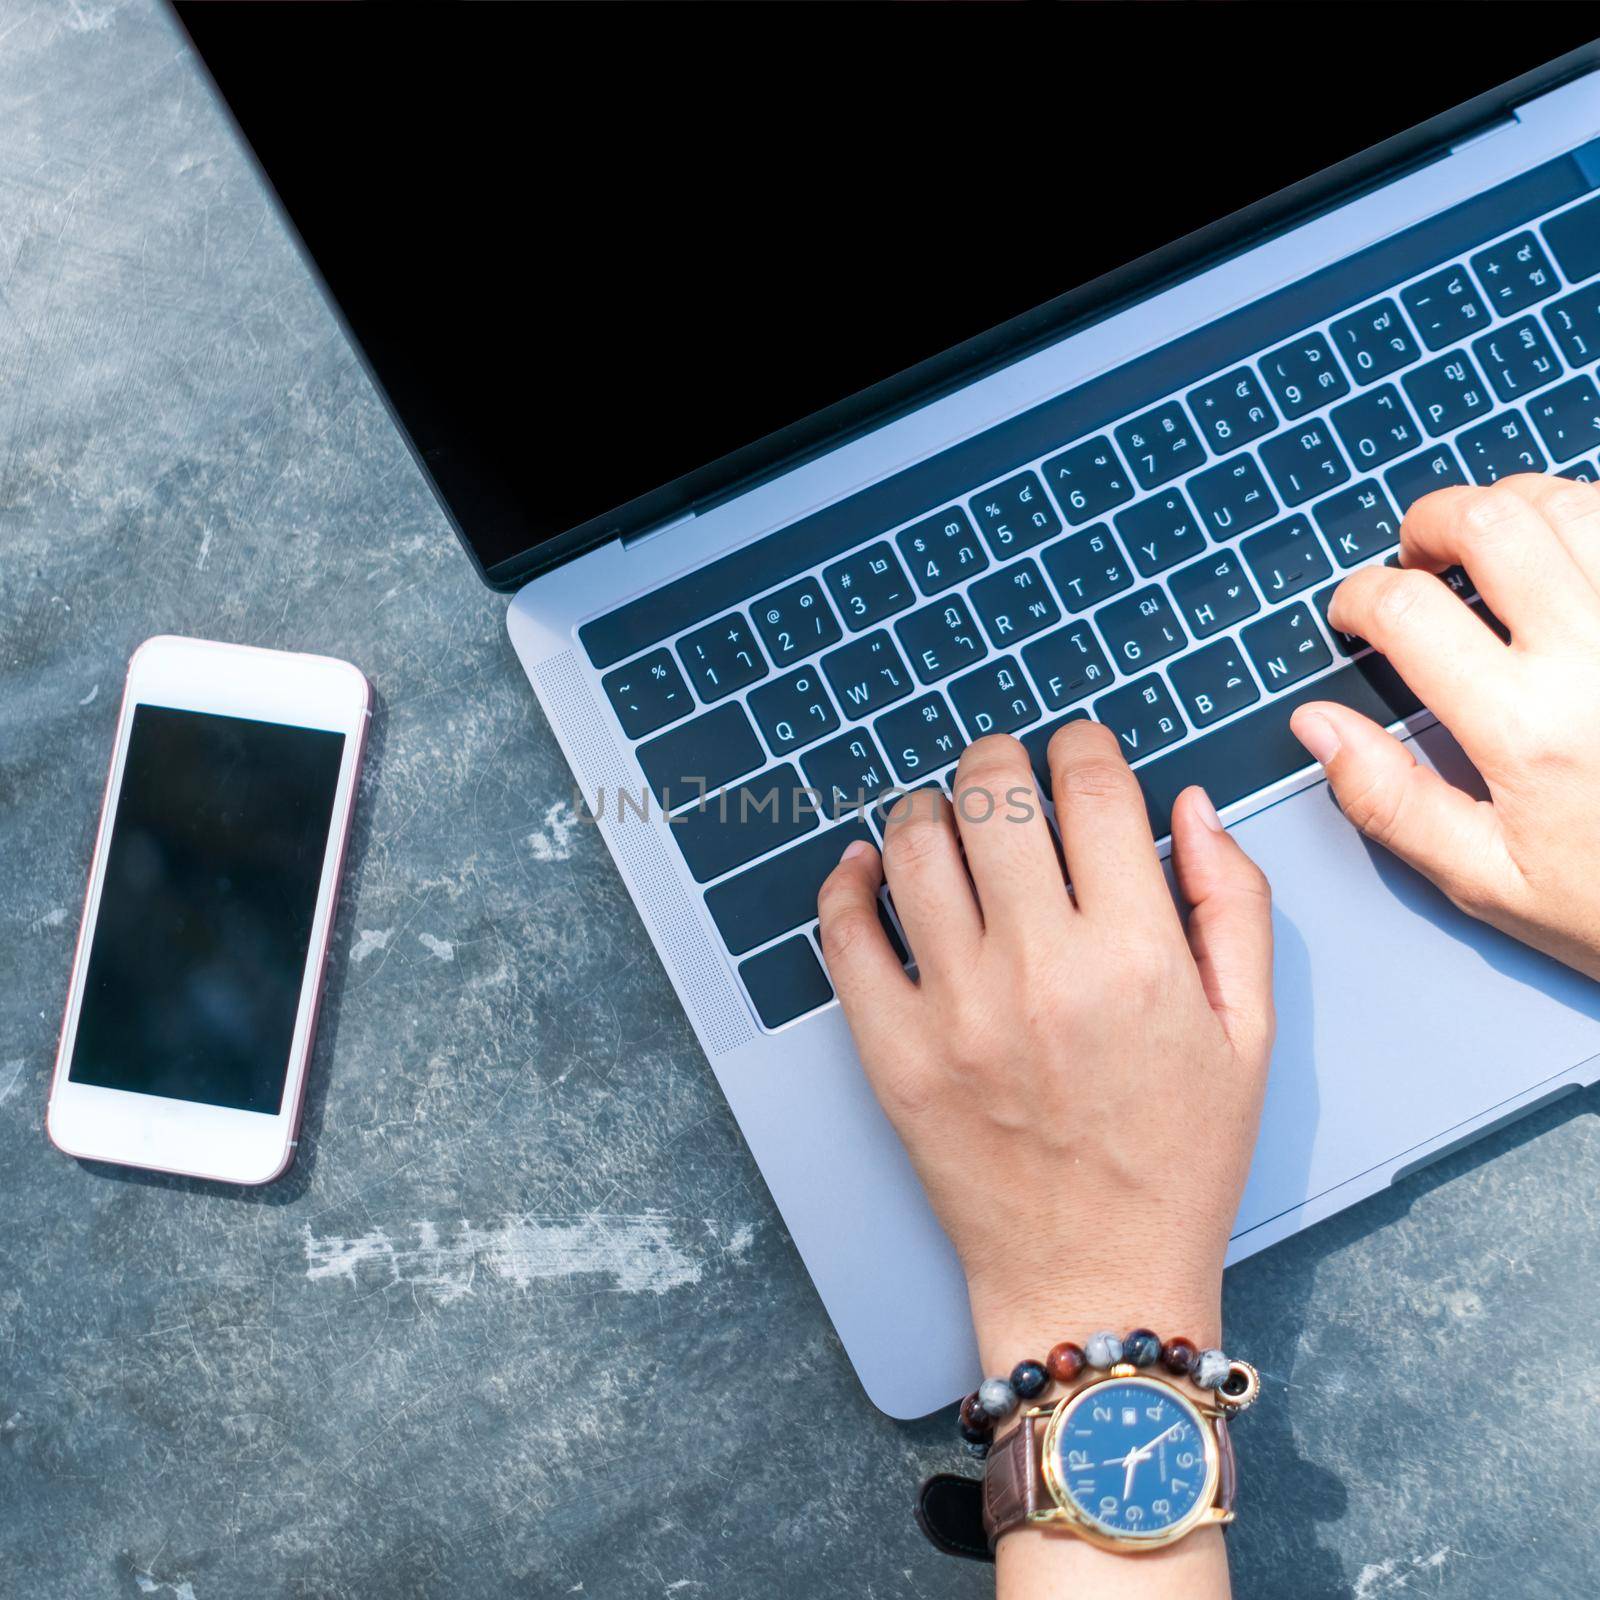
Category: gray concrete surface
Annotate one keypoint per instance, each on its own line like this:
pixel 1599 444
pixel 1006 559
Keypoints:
pixel 522 1320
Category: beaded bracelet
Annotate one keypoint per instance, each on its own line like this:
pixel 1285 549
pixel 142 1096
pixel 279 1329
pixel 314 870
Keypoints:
pixel 1235 1382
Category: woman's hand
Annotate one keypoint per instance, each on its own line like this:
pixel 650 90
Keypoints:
pixel 1077 1078
pixel 1526 712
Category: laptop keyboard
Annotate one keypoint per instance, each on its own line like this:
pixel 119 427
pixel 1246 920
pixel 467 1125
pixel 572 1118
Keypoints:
pixel 1168 575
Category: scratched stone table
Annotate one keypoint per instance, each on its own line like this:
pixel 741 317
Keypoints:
pixel 522 1321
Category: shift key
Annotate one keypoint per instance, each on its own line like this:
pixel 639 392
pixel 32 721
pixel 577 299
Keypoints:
pixel 725 830
pixel 778 894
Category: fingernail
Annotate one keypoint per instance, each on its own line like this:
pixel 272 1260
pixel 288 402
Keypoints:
pixel 856 847
pixel 1317 734
pixel 1205 811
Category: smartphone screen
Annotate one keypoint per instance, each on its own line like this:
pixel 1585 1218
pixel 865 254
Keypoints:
pixel 206 909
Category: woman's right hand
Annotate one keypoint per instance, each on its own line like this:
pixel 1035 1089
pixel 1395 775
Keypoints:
pixel 1527 711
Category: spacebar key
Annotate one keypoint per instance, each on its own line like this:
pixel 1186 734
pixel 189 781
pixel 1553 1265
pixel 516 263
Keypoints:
pixel 1258 750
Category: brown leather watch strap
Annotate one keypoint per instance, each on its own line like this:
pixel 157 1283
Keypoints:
pixel 1013 1478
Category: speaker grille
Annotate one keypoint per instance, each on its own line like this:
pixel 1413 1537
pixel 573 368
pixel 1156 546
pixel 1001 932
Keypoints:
pixel 715 1006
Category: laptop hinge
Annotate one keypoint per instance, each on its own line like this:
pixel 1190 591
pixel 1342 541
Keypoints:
pixel 631 541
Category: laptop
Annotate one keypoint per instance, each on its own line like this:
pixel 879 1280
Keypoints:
pixel 815 438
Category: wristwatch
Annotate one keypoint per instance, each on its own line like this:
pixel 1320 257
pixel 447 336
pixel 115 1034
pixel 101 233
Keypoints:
pixel 1129 1463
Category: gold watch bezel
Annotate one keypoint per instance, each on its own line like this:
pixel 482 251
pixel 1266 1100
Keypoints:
pixel 1069 1516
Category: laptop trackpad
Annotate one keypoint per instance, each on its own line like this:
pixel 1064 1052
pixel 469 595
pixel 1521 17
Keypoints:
pixel 1398 1016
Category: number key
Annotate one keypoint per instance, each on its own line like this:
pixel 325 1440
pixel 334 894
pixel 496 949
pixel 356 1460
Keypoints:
pixel 1088 480
pixel 941 550
pixel 869 586
pixel 1375 341
pixel 1160 445
pixel 1015 516
pixel 796 621
pixel 721 657
pixel 1303 375
pixel 1232 410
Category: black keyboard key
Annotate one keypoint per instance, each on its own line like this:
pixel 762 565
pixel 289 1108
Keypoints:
pixel 744 822
pixel 1347 644
pixel 1014 604
pixel 796 622
pixel 1580 472
pixel 1036 741
pixel 1286 558
pixel 1304 461
pixel 1303 375
pixel 1231 497
pixel 1357 522
pixel 1515 274
pixel 921 737
pixel 648 693
pixel 1214 593
pixel 1375 427
pixel 1232 410
pixel 1160 532
pixel 867 674
pixel 1434 468
pixel 1088 480
pixel 1015 516
pixel 793 710
pixel 1574 324
pixel 869 586
pixel 1086 567
pixel 779 893
pixel 1143 715
pixel 1445 307
pixel 1499 447
pixel 1517 358
pixel 786 981
pixel 1447 393
pixel 1574 238
pixel 1568 418
pixel 1375 341
pixel 940 639
pixel 994 699
pixel 1160 445
pixel 721 657
pixel 1141 630
pixel 1068 664
pixel 848 772
pixel 941 550
pixel 1214 683
pixel 1286 646
pixel 1257 750
pixel 695 757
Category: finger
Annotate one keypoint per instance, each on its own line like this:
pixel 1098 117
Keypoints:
pixel 1010 854
pixel 872 985
pixel 1523 571
pixel 932 892
pixel 1105 830
pixel 1431 825
pixel 1573 512
pixel 1438 644
pixel 1230 923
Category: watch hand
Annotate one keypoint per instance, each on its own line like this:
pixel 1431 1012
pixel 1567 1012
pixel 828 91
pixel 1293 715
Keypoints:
pixel 1134 1458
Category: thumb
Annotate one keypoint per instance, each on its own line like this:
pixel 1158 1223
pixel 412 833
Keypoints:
pixel 871 983
pixel 1450 838
pixel 1230 923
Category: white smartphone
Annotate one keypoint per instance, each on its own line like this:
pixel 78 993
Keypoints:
pixel 199 962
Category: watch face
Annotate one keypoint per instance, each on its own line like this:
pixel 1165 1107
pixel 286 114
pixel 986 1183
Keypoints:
pixel 1130 1455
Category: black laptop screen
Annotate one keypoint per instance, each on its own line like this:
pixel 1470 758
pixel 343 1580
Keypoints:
pixel 588 252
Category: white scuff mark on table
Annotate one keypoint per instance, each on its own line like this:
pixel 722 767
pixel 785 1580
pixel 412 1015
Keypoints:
pixel 1384 1577
pixel 88 699
pixel 10 1073
pixel 205 550
pixel 150 1585
pixel 440 949
pixel 638 1254
pixel 368 940
pixel 51 919
pixel 553 842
